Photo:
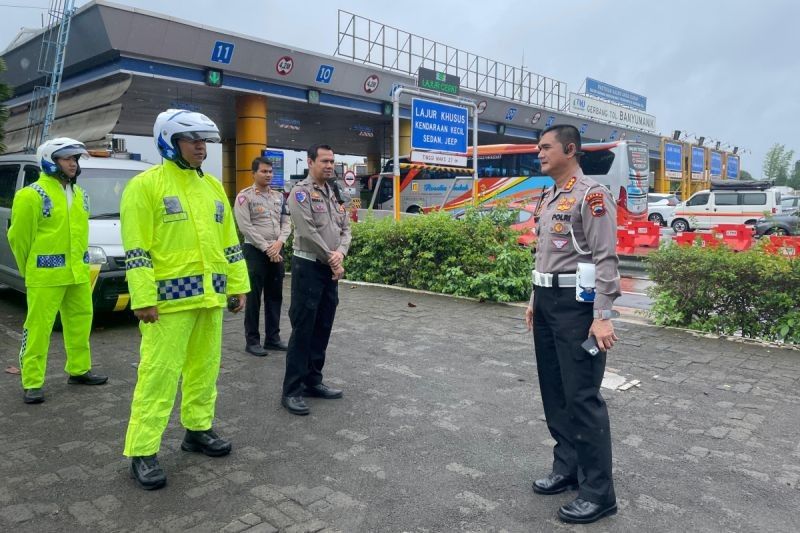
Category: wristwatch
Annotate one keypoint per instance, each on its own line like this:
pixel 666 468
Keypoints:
pixel 605 314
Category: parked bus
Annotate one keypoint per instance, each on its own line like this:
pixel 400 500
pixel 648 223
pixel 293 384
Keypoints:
pixel 512 173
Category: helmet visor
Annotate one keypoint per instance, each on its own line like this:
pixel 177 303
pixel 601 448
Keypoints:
pixel 70 151
pixel 208 136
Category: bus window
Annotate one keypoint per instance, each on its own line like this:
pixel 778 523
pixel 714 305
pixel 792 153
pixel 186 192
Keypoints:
pixel 529 165
pixel 597 163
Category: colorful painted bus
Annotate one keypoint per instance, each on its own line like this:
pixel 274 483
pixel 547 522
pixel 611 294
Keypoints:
pixel 512 173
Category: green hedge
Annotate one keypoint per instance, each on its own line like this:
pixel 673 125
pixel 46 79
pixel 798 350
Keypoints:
pixel 477 256
pixel 751 293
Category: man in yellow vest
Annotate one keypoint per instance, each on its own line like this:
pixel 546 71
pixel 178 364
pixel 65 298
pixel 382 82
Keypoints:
pixel 49 237
pixel 183 261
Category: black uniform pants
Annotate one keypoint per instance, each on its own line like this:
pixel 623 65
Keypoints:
pixel 266 278
pixel 314 299
pixel 569 379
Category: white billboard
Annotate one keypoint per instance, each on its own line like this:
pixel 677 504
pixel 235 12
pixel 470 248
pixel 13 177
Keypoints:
pixel 587 106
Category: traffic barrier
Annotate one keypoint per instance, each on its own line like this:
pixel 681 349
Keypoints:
pixel 737 237
pixel 706 240
pixel 646 233
pixel 783 245
pixel 626 241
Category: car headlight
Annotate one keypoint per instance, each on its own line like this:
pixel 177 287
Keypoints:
pixel 97 256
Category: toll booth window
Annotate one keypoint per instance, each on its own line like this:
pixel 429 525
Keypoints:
pixel 529 165
pixel 8 184
pixel 597 163
pixel 31 173
pixel 754 198
pixel 700 199
pixel 730 198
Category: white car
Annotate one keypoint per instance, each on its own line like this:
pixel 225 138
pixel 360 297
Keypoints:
pixel 661 207
pixel 789 204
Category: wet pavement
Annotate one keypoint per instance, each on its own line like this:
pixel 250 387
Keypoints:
pixel 441 429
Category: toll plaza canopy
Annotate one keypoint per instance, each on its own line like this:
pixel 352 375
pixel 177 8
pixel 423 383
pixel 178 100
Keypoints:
pixel 123 66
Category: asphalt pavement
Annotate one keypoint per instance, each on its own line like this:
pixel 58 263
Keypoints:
pixel 440 429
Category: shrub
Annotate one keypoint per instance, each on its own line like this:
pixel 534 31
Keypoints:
pixel 477 256
pixel 717 290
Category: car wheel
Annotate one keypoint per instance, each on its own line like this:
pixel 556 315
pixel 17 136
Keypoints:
pixel 680 225
pixel 777 231
pixel 657 218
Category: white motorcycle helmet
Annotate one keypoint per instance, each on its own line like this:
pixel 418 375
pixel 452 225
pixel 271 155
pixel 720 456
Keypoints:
pixel 59 148
pixel 174 124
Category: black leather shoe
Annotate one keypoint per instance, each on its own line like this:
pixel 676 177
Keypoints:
pixel 554 484
pixel 147 472
pixel 579 511
pixel 322 391
pixel 88 378
pixel 295 405
pixel 278 345
pixel 206 442
pixel 33 396
pixel 256 349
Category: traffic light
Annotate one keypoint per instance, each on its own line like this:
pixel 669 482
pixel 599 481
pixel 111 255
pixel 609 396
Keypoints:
pixel 213 77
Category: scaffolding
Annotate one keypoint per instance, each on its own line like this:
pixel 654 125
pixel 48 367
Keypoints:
pixel 51 64
pixel 366 41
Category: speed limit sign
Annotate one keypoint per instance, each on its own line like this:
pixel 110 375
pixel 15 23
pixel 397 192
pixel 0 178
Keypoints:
pixel 284 65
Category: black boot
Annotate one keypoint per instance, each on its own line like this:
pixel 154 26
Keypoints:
pixel 88 378
pixel 147 472
pixel 33 395
pixel 206 442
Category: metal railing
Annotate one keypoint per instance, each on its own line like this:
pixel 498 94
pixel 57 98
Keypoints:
pixel 366 41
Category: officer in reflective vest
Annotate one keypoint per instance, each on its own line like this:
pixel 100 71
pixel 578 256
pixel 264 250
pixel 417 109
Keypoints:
pixel 49 237
pixel 321 240
pixel 183 261
pixel 575 284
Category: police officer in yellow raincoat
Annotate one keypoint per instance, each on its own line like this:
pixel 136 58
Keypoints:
pixel 183 260
pixel 49 237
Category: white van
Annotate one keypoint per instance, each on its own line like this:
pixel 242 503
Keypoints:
pixel 103 179
pixel 732 202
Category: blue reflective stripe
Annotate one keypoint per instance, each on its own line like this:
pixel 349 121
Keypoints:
pixel 136 258
pixel 235 257
pixel 174 289
pixel 233 249
pixel 86 257
pixel 47 203
pixel 51 261
pixel 220 283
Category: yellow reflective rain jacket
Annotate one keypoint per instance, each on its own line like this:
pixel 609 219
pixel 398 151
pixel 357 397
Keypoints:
pixel 181 246
pixel 50 242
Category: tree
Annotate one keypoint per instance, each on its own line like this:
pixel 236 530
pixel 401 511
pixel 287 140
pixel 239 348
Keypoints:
pixel 776 164
pixel 5 94
pixel 794 181
pixel 745 175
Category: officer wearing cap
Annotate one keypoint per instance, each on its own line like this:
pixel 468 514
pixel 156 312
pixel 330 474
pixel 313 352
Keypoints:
pixel 49 237
pixel 321 240
pixel 183 261
pixel 575 284
pixel 264 221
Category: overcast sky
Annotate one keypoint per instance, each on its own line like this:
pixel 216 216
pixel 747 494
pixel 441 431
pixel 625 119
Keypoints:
pixel 728 71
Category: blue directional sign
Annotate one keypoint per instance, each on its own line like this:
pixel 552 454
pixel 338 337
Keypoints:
pixel 438 127
pixel 733 167
pixel 698 160
pixel 550 120
pixel 325 74
pixel 583 128
pixel 615 94
pixel 222 52
pixel 673 155
pixel 511 113
pixel 716 164
pixel 276 156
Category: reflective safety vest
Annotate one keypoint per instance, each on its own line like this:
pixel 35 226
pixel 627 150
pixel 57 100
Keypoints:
pixel 50 241
pixel 181 246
